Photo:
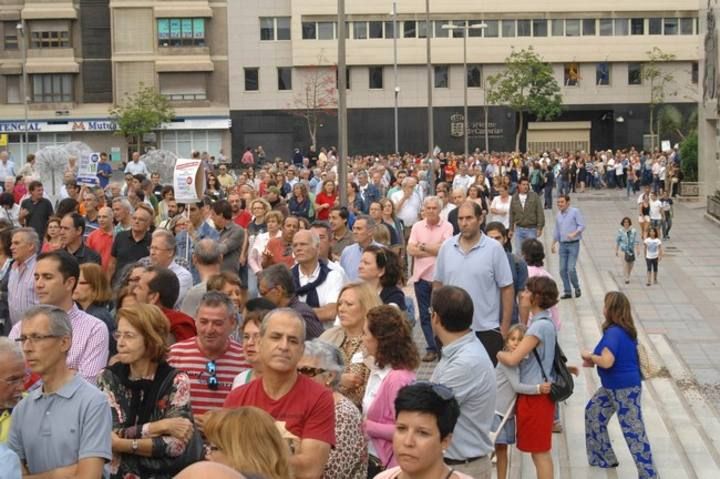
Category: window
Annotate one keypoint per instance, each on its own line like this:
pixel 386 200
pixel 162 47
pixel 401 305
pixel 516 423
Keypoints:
pixel 637 26
pixel 655 26
pixel 183 143
pixel 557 27
pixel 491 31
pixel 572 74
pixel 389 30
pixel 572 27
pixel 441 32
pixel 621 27
pixel 182 32
pixel 693 73
pixel 275 28
pixel 283 28
pixel 185 86
pixel 309 30
pixel 508 28
pixel 588 25
pixel 50 39
pixel 670 26
pixel 686 26
pixel 458 32
pixel 634 74
pixel 267 28
pixel 11 35
pixel 606 27
pixel 474 76
pixel 375 78
pixel 602 73
pixel 360 30
pixel 409 29
pixel 523 28
pixel 52 88
pixel 252 79
pixel 375 29
pixel 424 29
pixel 12 83
pixel 326 30
pixel 441 76
pixel 540 28
pixel 347 78
pixel 284 78
pixel 474 31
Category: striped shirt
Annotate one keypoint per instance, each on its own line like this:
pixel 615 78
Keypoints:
pixel 88 353
pixel 186 356
pixel 21 288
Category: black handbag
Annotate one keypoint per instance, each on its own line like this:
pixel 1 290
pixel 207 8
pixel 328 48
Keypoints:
pixel 629 256
pixel 562 387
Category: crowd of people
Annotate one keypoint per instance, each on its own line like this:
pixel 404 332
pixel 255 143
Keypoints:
pixel 264 331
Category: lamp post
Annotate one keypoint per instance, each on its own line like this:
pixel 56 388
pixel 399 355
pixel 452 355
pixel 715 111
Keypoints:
pixel 395 71
pixel 342 106
pixel 466 27
pixel 431 126
pixel 24 143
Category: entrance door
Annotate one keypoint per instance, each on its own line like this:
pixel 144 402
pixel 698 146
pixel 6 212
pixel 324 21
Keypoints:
pixel 564 136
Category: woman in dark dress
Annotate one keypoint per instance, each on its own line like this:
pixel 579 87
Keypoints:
pixel 380 268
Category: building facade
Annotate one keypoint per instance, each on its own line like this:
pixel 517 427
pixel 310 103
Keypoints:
pixel 83 56
pixel 709 101
pixel 278 49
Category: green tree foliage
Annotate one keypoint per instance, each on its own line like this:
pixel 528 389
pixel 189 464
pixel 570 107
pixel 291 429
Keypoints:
pixel 674 125
pixel 689 157
pixel 528 86
pixel 140 113
pixel 658 79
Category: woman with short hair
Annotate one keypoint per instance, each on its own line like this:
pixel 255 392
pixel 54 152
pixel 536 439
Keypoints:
pixel 52 240
pixel 626 241
pixel 324 363
pixel 94 296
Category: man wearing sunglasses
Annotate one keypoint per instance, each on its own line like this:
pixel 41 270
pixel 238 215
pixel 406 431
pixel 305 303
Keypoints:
pixel 305 407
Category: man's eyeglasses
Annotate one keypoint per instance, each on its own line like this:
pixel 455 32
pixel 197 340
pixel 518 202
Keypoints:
pixel 17 380
pixel 311 372
pixel 212 380
pixel 34 338
pixel 445 393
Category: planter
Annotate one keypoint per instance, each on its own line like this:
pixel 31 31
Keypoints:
pixel 690 189
pixel 713 206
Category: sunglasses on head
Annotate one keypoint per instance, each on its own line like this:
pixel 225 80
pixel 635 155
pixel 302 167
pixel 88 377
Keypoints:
pixel 212 380
pixel 310 372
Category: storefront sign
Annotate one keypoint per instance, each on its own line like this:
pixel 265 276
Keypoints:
pixel 19 126
pixel 94 125
pixel 107 125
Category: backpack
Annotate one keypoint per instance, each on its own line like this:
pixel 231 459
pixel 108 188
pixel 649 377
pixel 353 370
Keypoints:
pixel 562 387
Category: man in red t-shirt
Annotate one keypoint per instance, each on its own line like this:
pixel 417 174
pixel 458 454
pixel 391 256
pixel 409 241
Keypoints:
pixel 101 239
pixel 279 250
pixel 305 407
pixel 241 216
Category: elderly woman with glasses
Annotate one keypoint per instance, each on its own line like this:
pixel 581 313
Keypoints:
pixel 153 431
pixel 324 363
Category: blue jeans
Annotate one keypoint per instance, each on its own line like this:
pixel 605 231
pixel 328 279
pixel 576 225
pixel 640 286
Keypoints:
pixel 521 234
pixel 569 252
pixel 423 292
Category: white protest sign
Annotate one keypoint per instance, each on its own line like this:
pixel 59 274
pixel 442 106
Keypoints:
pixel 665 145
pixel 87 169
pixel 189 181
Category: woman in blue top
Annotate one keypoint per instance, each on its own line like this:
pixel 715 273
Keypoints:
pixel 619 370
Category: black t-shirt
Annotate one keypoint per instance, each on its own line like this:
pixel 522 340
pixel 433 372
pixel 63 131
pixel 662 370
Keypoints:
pixel 38 214
pixel 126 250
pixel 85 254
pixel 394 295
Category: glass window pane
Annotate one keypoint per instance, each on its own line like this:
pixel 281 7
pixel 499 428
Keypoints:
pixel 670 26
pixel 492 30
pixel 655 26
pixel 602 73
pixel 309 30
pixel 474 76
pixel 458 32
pixel 540 28
pixel 686 26
pixel 508 28
pixel 251 79
pixel 325 30
pixel 634 74
pixel 284 78
pixel 375 29
pixel 360 30
pixel 475 28
pixel 267 26
pixel 572 27
pixel 523 28
pixel 409 29
pixel 637 26
pixel 694 73
pixel 423 29
pixel 621 27
pixel 375 77
pixel 441 76
pixel 163 26
pixel 606 27
pixel 389 30
pixel 571 74
pixel 283 28
pixel 588 25
pixel 67 81
pixel 441 32
pixel 558 27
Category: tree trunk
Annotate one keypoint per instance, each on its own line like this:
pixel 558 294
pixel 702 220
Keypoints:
pixel 652 128
pixel 519 131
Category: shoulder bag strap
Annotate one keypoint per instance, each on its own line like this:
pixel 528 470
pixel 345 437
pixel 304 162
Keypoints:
pixel 537 356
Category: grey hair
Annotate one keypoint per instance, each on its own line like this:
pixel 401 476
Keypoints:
pixel 369 221
pixel 429 199
pixel 407 180
pixel 287 311
pixel 125 204
pixel 279 275
pixel 207 252
pixel 8 346
pixel 30 234
pixel 314 238
pixel 330 357
pixel 168 237
pixel 213 299
pixel 59 321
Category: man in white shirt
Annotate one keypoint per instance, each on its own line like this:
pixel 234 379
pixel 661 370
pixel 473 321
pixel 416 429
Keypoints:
pixel 316 283
pixel 7 166
pixel 162 254
pixel 137 166
pixel 462 179
pixel 408 203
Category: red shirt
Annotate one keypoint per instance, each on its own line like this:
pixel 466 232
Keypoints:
pixel 308 408
pixel 243 218
pixel 186 356
pixel 325 199
pixel 101 242
pixel 182 326
pixel 281 253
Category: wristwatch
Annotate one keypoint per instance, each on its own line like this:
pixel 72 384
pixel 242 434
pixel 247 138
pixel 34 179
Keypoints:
pixel 134 446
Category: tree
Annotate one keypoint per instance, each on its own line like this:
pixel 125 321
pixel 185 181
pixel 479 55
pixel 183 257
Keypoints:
pixel 658 79
pixel 317 98
pixel 527 85
pixel 140 113
pixel 676 125
pixel 689 157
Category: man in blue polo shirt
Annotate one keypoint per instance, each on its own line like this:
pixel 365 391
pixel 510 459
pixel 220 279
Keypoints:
pixel 569 226
pixel 479 265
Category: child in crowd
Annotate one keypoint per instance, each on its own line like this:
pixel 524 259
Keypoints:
pixel 653 254
pixel 508 386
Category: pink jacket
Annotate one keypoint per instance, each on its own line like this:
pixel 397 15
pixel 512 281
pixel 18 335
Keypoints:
pixel 380 417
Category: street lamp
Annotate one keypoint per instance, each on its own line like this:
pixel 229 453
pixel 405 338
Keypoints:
pixel 24 144
pixel 466 27
pixel 342 105
pixel 395 71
